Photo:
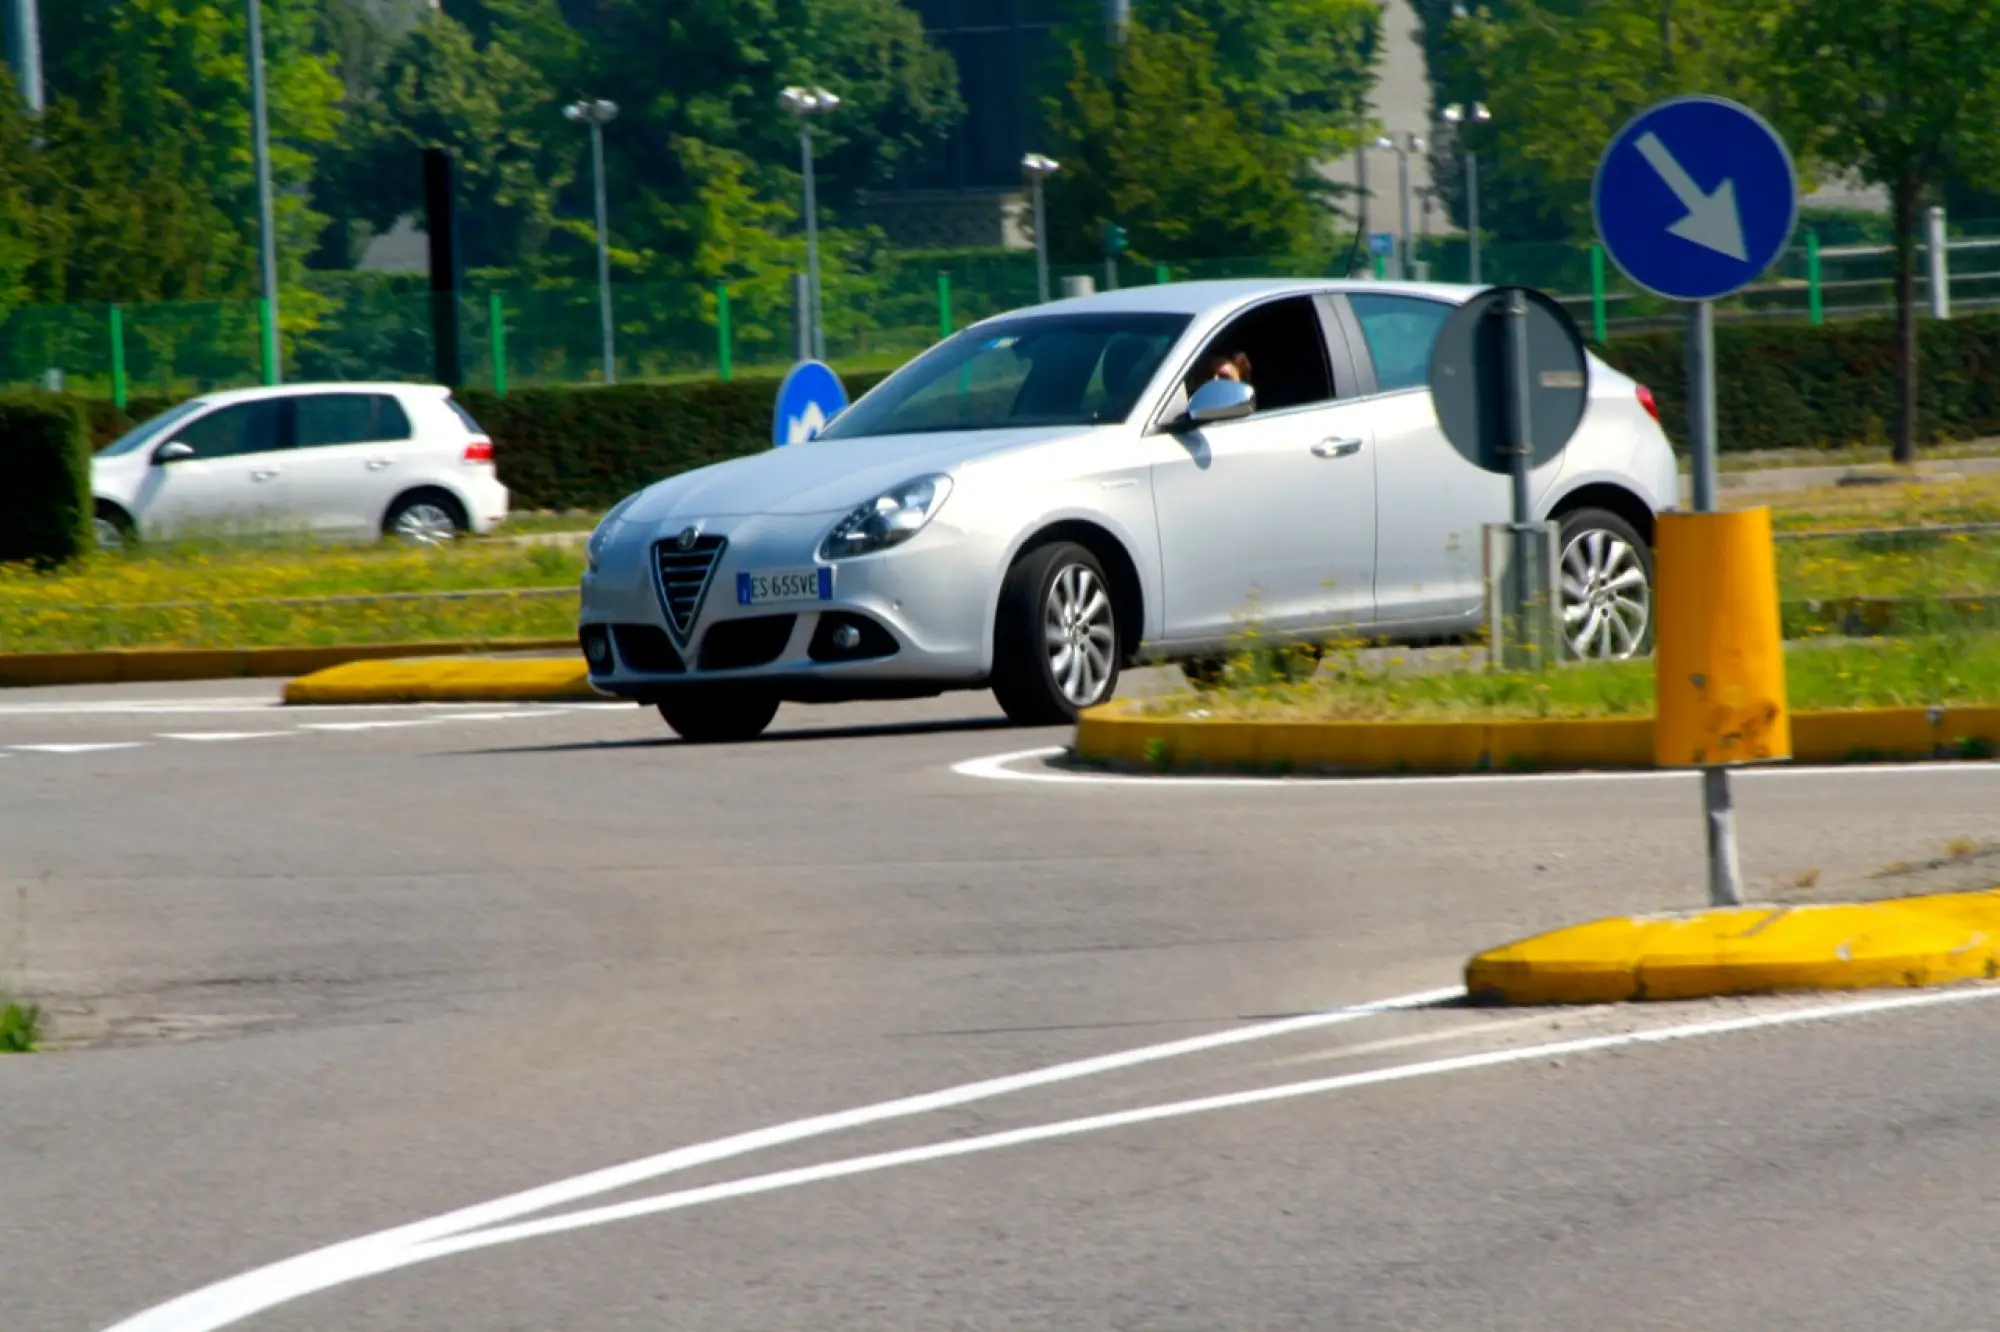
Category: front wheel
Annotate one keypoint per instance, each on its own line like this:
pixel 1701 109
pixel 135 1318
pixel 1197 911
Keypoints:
pixel 1055 643
pixel 426 518
pixel 1607 587
pixel 718 714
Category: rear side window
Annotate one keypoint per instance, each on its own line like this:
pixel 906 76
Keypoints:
pixel 1400 330
pixel 328 419
pixel 464 416
pixel 250 427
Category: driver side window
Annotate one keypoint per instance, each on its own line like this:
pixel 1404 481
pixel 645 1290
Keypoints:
pixel 1278 348
pixel 250 427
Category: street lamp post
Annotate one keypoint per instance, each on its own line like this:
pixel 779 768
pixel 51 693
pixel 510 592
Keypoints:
pixel 1457 115
pixel 1409 143
pixel 1038 169
pixel 805 103
pixel 24 51
pixel 597 113
pixel 267 244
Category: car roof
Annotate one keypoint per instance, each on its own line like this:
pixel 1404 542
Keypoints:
pixel 1195 298
pixel 226 396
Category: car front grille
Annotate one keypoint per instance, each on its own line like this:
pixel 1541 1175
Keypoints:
pixel 735 645
pixel 646 649
pixel 684 577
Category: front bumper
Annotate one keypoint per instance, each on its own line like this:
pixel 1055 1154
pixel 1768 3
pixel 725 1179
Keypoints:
pixel 913 619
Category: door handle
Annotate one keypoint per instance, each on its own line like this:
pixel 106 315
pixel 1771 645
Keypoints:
pixel 377 464
pixel 1336 448
pixel 263 474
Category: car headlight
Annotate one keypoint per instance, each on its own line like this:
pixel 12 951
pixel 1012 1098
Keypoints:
pixel 889 519
pixel 594 548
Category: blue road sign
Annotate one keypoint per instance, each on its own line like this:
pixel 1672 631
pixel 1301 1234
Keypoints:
pixel 810 397
pixel 1695 198
pixel 1381 242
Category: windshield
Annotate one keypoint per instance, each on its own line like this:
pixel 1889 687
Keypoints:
pixel 139 436
pixel 1082 369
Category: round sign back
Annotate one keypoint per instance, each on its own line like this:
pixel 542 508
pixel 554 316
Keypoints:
pixel 1472 390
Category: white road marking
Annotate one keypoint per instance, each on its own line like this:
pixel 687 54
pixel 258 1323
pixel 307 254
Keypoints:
pixel 1070 1128
pixel 1421 1038
pixel 219 736
pixel 1000 768
pixel 238 1298
pixel 79 749
pixel 366 725
pixel 489 716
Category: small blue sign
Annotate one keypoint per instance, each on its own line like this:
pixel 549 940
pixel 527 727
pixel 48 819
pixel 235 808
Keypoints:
pixel 1381 242
pixel 1695 198
pixel 810 397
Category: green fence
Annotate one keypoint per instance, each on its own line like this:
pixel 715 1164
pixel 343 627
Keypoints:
pixel 357 327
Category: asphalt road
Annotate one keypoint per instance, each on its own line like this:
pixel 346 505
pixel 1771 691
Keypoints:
pixel 318 974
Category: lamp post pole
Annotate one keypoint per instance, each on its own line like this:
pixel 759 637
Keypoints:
pixel 805 103
pixel 1402 148
pixel 1457 116
pixel 597 113
pixel 1037 169
pixel 267 239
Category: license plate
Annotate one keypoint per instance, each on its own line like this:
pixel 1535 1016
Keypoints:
pixel 759 589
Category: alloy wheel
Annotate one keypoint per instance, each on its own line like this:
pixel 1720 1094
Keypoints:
pixel 1081 636
pixel 426 525
pixel 1607 600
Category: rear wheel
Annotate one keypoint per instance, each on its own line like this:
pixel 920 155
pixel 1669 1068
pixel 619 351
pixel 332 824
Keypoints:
pixel 426 518
pixel 1607 587
pixel 718 714
pixel 1055 643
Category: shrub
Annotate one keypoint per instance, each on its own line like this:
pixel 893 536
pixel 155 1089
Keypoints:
pixel 45 505
pixel 1794 386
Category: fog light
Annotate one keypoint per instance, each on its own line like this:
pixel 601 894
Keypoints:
pixel 847 638
pixel 597 649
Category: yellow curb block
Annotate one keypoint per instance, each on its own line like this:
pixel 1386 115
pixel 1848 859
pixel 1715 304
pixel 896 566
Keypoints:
pixel 1748 950
pixel 446 680
pixel 149 665
pixel 1117 733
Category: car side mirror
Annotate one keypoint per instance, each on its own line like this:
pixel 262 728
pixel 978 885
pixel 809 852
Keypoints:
pixel 172 451
pixel 1221 400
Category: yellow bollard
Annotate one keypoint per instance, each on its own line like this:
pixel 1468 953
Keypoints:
pixel 1720 647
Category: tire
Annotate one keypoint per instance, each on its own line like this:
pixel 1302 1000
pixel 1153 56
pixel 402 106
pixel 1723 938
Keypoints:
pixel 1607 614
pixel 426 518
pixel 112 527
pixel 1055 640
pixel 718 714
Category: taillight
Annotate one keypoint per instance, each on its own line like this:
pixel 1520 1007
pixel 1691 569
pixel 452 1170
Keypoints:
pixel 479 451
pixel 1645 400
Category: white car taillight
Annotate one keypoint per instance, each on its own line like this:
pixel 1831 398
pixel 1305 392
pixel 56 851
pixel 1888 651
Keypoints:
pixel 1646 401
pixel 479 451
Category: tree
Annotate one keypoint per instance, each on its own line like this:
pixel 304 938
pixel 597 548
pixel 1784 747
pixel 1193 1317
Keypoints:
pixel 1302 69
pixel 1154 144
pixel 1561 77
pixel 500 117
pixel 1899 91
pixel 179 73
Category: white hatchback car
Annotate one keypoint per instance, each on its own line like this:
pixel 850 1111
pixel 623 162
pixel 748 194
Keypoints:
pixel 1056 493
pixel 339 461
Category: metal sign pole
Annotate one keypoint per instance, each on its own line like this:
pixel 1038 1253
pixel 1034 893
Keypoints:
pixel 1521 442
pixel 1725 871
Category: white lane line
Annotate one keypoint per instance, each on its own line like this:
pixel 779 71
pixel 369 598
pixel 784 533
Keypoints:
pixel 79 749
pixel 223 1304
pixel 490 716
pixel 1070 1128
pixel 239 1297
pixel 367 725
pixel 219 736
pixel 1001 768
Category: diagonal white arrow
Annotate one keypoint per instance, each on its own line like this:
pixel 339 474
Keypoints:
pixel 1712 220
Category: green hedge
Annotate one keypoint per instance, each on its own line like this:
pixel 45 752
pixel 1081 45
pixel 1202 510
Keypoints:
pixel 1782 386
pixel 45 504
pixel 1794 386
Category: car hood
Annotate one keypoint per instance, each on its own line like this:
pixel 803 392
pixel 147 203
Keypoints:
pixel 822 476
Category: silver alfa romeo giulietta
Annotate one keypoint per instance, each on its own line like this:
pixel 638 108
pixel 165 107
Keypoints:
pixel 1051 495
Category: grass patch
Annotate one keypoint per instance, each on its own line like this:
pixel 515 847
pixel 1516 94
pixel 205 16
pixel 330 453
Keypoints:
pixel 1976 499
pixel 219 595
pixel 20 1028
pixel 1351 686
